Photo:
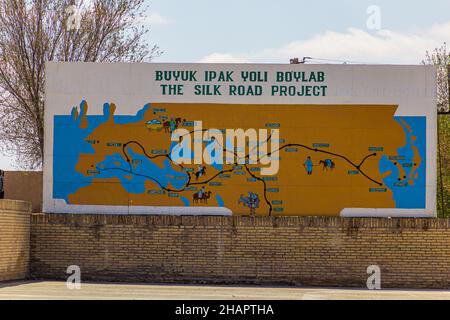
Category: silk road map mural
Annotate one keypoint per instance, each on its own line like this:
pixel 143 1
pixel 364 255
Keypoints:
pixel 331 158
pixel 240 139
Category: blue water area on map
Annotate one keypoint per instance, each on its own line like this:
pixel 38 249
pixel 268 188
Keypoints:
pixel 70 142
pixel 408 193
pixel 219 201
pixel 185 201
pixel 133 179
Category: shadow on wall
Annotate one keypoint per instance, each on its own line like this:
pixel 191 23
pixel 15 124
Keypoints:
pixel 24 185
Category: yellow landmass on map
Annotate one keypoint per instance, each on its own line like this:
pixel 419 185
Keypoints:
pixel 347 130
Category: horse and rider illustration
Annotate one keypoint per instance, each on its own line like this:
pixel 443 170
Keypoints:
pixel 251 201
pixel 201 171
pixel 201 196
pixel 172 124
pixel 327 164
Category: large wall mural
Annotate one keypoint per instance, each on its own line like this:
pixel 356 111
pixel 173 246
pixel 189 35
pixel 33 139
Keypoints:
pixel 369 156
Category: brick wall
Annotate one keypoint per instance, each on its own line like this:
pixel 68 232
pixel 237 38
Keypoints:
pixel 14 239
pixel 412 253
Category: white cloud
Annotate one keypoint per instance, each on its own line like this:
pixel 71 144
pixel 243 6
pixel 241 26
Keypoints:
pixel 354 44
pixel 224 58
pixel 157 19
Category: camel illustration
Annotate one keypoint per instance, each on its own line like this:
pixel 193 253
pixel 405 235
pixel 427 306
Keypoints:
pixel 203 198
pixel 327 164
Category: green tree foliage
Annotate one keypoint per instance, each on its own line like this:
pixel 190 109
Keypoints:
pixel 440 58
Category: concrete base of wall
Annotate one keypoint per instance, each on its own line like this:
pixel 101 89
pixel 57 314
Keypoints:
pixel 411 253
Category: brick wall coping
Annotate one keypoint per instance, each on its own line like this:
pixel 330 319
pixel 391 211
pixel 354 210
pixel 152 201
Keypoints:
pixel 15 205
pixel 241 221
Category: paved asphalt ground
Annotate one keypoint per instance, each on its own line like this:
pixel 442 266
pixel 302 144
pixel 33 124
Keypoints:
pixel 100 291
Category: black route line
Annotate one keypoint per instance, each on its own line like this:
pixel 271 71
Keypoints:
pixel 235 164
pixel 134 173
pixel 252 174
pixel 247 156
pixel 366 157
pixel 357 167
pixel 265 188
pixel 166 155
pixel 213 177
pixel 143 150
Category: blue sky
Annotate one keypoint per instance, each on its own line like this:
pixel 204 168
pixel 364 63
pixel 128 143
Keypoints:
pixel 275 31
pixel 271 31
